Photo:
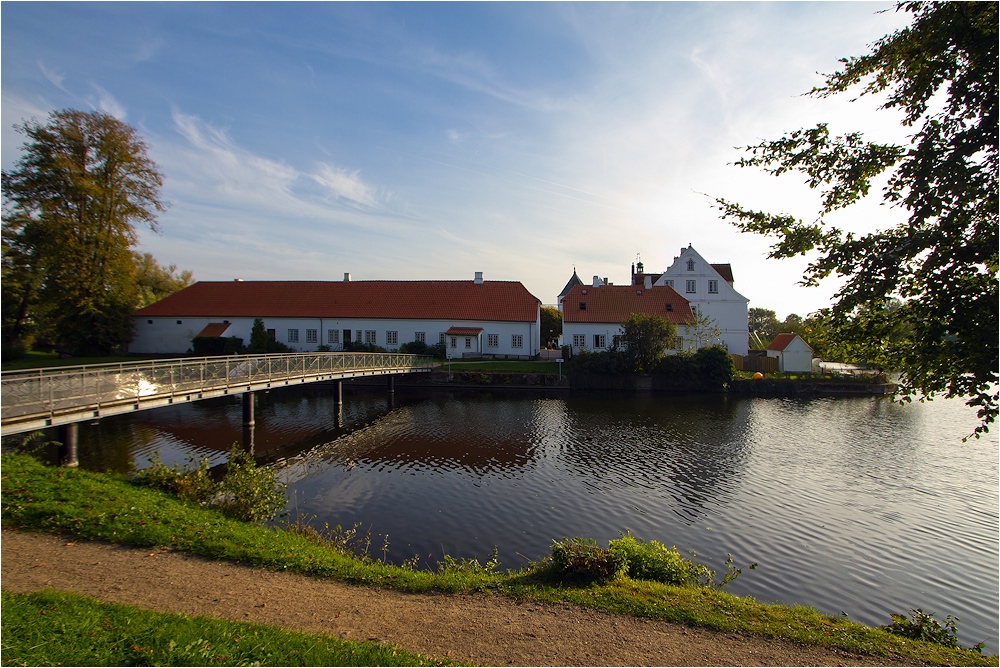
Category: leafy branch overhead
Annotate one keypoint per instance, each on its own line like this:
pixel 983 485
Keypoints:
pixel 941 262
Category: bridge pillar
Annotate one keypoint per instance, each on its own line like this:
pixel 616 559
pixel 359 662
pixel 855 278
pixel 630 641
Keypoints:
pixel 392 384
pixel 248 422
pixel 340 393
pixel 70 435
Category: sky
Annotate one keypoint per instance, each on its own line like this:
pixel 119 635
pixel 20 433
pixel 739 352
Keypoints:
pixel 411 141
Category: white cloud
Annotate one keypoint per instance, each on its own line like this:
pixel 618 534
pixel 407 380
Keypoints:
pixel 53 77
pixel 106 102
pixel 345 184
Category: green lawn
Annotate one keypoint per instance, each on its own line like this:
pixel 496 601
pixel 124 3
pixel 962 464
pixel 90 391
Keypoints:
pixel 53 628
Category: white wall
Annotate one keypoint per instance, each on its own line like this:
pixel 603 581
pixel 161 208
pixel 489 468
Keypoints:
pixel 795 358
pixel 609 330
pixel 727 307
pixel 165 335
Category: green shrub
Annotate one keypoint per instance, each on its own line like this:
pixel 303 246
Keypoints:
pixel 208 346
pixel 195 485
pixel 583 559
pixel 248 492
pixel 923 626
pixel 655 561
pixel 358 347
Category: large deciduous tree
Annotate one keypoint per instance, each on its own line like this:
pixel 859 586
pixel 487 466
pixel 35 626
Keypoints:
pixel 646 337
pixel 941 262
pixel 72 204
pixel 154 281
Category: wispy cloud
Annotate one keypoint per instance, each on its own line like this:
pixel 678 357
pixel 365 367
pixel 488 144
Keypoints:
pixel 345 184
pixel 55 78
pixel 108 103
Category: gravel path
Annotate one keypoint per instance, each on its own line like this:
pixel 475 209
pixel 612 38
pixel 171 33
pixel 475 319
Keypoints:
pixel 482 629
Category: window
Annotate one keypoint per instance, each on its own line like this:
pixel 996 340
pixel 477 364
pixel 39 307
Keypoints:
pixel 370 336
pixel 454 342
pixel 149 322
pixel 493 340
pixel 392 338
pixel 357 335
pixel 272 334
pixel 441 338
pixel 713 287
pixel 579 341
pixel 419 337
pixel 468 342
pixel 600 341
pixel 293 336
pixel 311 336
pixel 670 283
pixel 180 322
pixel 333 336
pixel 583 306
pixel 516 341
pixel 692 287
pixel 690 265
pixel 670 307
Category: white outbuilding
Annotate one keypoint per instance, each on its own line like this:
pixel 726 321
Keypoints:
pixel 793 353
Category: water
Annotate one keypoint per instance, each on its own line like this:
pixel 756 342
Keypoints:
pixel 855 506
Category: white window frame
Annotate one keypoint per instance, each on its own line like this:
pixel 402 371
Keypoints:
pixel 312 336
pixel 493 340
pixel 600 341
pixel 391 338
pixel 419 337
pixel 691 287
pixel 442 337
pixel 371 337
pixel 713 287
pixel 579 340
pixel 454 342
pixel 358 336
pixel 293 335
pixel 517 341
pixel 690 264
pixel 670 282
pixel 333 336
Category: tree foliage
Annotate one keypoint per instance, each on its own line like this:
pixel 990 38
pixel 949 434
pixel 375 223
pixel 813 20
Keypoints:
pixel 72 204
pixel 942 261
pixel 646 337
pixel 763 325
pixel 551 325
pixel 154 281
pixel 703 331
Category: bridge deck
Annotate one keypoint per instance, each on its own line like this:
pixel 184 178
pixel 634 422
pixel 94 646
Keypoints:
pixel 50 397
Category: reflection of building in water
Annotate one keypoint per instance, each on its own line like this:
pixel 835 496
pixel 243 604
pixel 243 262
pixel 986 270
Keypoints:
pixel 692 449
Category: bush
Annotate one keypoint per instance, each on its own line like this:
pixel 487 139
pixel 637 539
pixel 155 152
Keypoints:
pixel 584 559
pixel 611 362
pixel 924 627
pixel 208 346
pixel 245 492
pixel 415 348
pixel 358 347
pixel 655 561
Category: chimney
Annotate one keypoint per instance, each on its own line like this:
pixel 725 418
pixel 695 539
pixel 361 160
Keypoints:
pixel 648 282
pixel 347 277
pixel 479 278
pixel 597 281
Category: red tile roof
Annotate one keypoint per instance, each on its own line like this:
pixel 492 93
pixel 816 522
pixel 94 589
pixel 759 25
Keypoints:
pixel 214 329
pixel 781 341
pixel 464 331
pixel 444 300
pixel 615 303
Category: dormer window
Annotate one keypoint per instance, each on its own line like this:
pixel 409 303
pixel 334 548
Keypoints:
pixel 690 265
pixel 583 306
pixel 670 307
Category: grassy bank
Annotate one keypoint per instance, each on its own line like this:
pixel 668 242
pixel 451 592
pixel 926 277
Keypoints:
pixel 110 508
pixel 54 628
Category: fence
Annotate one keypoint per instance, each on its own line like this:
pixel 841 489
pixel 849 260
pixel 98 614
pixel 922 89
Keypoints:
pixel 46 397
pixel 755 363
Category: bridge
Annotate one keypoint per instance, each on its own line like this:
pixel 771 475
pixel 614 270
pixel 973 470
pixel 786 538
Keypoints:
pixel 41 398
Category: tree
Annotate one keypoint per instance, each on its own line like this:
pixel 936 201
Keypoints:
pixel 763 325
pixel 646 337
pixel 71 206
pixel 551 324
pixel 154 282
pixel 942 261
pixel 258 337
pixel 703 330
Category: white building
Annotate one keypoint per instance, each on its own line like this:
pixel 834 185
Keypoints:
pixel 592 315
pixel 793 353
pixel 709 289
pixel 472 318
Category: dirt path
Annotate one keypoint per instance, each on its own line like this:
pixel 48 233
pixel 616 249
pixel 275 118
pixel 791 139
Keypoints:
pixel 483 629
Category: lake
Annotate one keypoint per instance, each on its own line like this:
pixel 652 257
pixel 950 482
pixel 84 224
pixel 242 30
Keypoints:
pixel 853 506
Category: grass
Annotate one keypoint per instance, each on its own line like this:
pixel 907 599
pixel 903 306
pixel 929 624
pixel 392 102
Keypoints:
pixel 110 508
pixel 52 628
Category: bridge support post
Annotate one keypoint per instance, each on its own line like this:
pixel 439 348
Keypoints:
pixel 392 384
pixel 248 422
pixel 68 455
pixel 340 393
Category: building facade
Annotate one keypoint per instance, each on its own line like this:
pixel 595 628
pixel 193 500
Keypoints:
pixel 471 318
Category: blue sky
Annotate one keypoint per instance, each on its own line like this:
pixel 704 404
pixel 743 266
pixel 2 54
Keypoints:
pixel 431 141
